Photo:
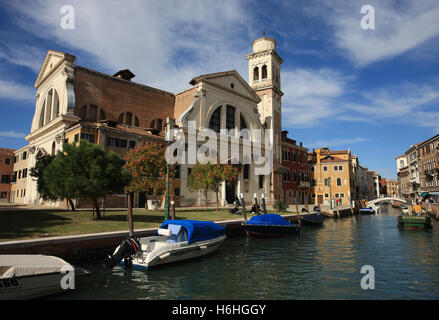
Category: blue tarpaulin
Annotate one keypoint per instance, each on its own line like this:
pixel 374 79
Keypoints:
pixel 197 230
pixel 270 219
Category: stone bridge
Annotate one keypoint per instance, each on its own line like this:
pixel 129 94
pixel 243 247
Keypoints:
pixel 376 201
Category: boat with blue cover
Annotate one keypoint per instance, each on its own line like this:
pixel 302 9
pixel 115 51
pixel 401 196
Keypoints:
pixel 269 225
pixel 312 219
pixel 175 240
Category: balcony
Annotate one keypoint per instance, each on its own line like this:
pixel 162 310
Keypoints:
pixel 304 184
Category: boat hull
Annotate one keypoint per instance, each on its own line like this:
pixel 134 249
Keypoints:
pixel 177 253
pixel 312 219
pixel 367 211
pixel 414 222
pixel 30 287
pixel 270 231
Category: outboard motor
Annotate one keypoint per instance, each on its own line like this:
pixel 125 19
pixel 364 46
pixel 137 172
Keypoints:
pixel 125 250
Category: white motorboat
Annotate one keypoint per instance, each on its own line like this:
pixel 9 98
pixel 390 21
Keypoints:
pixel 34 276
pixel 176 240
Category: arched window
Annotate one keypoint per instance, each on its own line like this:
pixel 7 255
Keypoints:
pixel 53 148
pixel 255 73
pixel 242 127
pixel 230 118
pixel 264 72
pixel 50 107
pixel 159 124
pixel 215 120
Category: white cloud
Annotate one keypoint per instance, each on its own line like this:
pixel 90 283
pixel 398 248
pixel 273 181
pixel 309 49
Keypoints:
pixel 15 91
pixel 23 55
pixel 399 27
pixel 310 96
pixel 165 43
pixel 337 142
pixel 407 103
pixel 11 134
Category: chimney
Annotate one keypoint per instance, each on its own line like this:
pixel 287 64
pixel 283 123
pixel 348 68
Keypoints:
pixel 124 74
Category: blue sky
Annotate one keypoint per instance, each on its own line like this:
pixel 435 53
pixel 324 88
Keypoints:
pixel 374 91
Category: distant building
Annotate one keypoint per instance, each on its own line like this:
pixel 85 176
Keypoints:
pixel 360 179
pixel 295 182
pixel 413 167
pixel 331 176
pixel 428 163
pixel 6 172
pixel 392 188
pixel 403 176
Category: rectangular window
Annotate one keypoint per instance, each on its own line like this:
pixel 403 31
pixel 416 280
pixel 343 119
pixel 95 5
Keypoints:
pixel 342 195
pixel 24 175
pixel 338 181
pixel 340 168
pixel 19 174
pixel 335 168
pixel 14 176
pixel 325 168
pixel 177 172
pixel 123 143
pixel 177 191
pixel 3 195
pixel 24 155
pixel 113 142
pixel 88 137
pixel 326 195
pixel 6 178
pixel 7 161
pixel 261 182
pixel 132 144
pixel 76 138
pixel 246 171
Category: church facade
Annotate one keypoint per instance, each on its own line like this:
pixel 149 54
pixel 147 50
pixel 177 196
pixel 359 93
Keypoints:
pixel 74 103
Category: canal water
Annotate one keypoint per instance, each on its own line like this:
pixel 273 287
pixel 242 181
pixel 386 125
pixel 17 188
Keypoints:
pixel 320 263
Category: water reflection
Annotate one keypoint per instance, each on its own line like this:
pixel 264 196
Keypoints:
pixel 320 263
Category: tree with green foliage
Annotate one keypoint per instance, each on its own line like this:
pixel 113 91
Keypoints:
pixel 208 177
pixel 86 171
pixel 147 165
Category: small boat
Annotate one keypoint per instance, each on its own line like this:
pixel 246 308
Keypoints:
pixel 175 240
pixel 269 225
pixel 368 210
pixel 408 221
pixel 312 219
pixel 35 276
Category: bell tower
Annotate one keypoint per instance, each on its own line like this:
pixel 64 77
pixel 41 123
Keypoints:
pixel 264 78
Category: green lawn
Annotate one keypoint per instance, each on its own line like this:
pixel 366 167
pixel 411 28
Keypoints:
pixel 26 224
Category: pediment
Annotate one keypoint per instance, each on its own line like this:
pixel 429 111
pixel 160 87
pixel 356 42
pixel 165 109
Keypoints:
pixel 230 81
pixel 52 60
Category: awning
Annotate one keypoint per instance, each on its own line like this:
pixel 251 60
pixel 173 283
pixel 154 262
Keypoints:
pixel 424 194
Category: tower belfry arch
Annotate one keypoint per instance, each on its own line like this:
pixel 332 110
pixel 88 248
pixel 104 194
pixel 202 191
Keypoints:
pixel 264 78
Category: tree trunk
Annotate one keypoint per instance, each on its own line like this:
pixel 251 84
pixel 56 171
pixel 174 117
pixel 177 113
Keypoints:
pixel 72 204
pixel 98 212
pixel 207 202
pixel 217 205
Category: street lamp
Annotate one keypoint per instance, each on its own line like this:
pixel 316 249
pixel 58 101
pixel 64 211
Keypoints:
pixel 170 123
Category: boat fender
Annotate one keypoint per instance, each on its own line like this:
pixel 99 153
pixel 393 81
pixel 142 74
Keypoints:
pixel 203 247
pixel 164 256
